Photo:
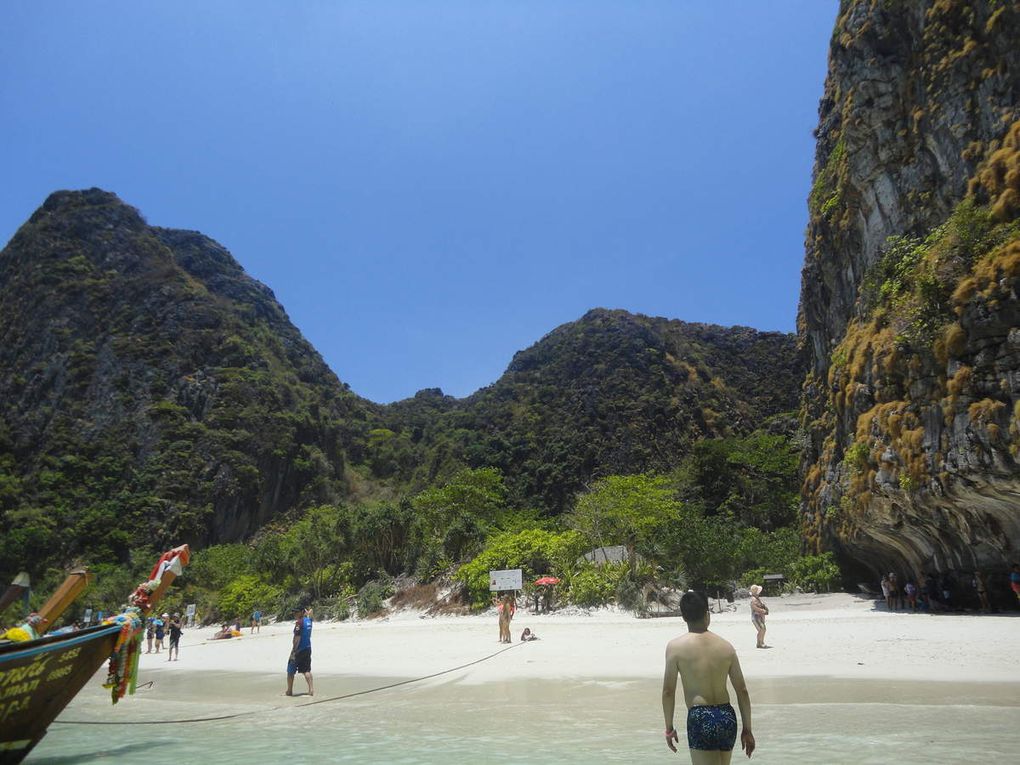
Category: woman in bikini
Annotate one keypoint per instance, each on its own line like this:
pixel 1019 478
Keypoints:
pixel 758 612
pixel 507 606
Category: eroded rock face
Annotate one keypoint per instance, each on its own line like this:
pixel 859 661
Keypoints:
pixel 909 291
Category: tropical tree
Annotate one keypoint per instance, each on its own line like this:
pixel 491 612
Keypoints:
pixel 625 509
pixel 458 515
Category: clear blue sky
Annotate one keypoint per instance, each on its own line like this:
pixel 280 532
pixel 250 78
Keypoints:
pixel 429 187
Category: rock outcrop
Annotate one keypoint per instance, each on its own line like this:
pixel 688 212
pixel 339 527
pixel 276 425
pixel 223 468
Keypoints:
pixel 909 291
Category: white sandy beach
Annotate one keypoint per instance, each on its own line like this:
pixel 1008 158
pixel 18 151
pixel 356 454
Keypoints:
pixel 835 635
pixel 846 682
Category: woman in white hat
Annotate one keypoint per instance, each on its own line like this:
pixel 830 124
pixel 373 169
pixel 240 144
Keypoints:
pixel 758 613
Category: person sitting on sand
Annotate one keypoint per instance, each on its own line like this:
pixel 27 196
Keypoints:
pixel 224 633
pixel 758 613
pixel 703 660
pixel 528 635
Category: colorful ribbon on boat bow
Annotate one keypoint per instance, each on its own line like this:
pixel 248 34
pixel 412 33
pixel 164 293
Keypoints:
pixel 122 675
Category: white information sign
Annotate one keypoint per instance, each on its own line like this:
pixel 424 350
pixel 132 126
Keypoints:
pixel 87 618
pixel 507 579
pixel 190 612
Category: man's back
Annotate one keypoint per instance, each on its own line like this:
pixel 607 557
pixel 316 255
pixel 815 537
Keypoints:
pixel 703 661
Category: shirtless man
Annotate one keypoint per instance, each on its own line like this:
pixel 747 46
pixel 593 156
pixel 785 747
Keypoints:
pixel 704 661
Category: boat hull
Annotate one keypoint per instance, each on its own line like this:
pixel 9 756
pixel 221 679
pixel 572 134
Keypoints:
pixel 39 678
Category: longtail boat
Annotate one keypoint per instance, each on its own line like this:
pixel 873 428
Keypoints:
pixel 39 677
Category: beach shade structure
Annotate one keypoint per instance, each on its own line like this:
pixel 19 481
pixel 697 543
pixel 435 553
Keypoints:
pixel 544 580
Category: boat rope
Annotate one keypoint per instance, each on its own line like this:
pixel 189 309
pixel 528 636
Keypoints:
pixel 306 704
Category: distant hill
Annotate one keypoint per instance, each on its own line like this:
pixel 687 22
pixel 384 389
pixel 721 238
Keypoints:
pixel 150 391
pixel 613 392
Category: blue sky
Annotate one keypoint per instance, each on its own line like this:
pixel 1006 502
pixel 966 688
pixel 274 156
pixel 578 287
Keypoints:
pixel 429 187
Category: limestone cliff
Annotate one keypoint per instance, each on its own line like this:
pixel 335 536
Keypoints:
pixel 909 290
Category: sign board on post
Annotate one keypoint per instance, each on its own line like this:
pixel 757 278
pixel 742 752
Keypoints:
pixel 189 614
pixel 87 618
pixel 507 579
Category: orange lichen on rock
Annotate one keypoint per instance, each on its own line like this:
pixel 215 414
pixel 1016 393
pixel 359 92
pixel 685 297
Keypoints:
pixel 998 177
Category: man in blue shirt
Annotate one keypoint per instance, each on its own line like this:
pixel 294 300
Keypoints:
pixel 301 650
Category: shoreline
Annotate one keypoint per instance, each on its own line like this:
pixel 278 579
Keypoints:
pixel 827 649
pixel 833 635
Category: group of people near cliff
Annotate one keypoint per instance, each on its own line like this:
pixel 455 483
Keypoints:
pixel 946 592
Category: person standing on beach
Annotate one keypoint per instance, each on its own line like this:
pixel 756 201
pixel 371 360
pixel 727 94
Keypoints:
pixel 703 660
pixel 507 606
pixel 981 585
pixel 175 637
pixel 160 632
pixel 758 613
pixel 1014 580
pixel 256 621
pixel 910 591
pixel 301 650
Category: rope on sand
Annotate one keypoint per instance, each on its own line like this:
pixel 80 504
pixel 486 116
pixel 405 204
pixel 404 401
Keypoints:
pixel 306 704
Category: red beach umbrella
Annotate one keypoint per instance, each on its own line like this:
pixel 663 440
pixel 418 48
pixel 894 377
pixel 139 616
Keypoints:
pixel 547 580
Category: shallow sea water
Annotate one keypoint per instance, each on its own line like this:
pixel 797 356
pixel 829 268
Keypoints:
pixel 527 721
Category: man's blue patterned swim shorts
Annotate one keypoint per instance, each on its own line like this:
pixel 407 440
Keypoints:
pixel 711 727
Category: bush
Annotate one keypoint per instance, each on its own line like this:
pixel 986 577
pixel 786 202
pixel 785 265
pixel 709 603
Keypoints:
pixel 244 595
pixel 371 597
pixel 591 587
pixel 754 576
pixel 214 567
pixel 815 573
pixel 630 595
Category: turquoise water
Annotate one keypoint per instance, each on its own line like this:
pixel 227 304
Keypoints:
pixel 535 721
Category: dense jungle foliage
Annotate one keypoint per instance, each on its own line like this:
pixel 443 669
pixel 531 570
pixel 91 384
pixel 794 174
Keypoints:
pixel 727 514
pixel 151 393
